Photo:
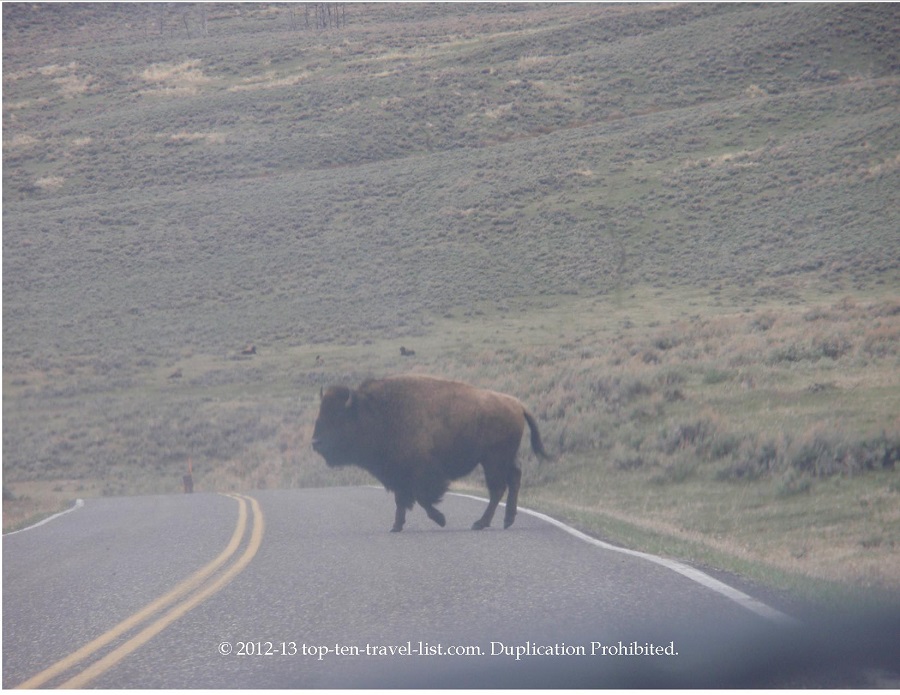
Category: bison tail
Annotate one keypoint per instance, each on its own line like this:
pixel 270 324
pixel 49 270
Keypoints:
pixel 537 446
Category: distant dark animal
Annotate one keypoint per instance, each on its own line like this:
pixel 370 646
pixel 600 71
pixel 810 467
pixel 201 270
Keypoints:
pixel 406 353
pixel 249 350
pixel 416 433
pixel 319 361
pixel 189 478
pixel 176 374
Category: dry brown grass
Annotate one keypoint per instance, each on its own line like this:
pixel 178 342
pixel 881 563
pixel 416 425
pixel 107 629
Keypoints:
pixel 270 80
pixel 49 183
pixel 175 79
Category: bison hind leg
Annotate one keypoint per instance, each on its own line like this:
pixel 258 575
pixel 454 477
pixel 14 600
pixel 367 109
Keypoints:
pixel 500 473
pixel 512 498
pixel 496 489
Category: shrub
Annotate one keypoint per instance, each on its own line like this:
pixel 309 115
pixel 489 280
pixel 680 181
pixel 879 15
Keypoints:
pixel 679 470
pixel 881 341
pixel 697 434
pixel 793 483
pixel 825 451
pixel 666 342
pixel 716 376
pixel 762 322
pixel 618 391
pixel 625 458
pixel 754 460
pixel 834 347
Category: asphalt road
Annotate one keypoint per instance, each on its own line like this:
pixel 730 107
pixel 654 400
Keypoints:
pixel 307 588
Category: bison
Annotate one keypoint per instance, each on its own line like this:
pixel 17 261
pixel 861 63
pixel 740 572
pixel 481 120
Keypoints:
pixel 416 433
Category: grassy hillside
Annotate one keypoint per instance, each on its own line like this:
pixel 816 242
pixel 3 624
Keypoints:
pixel 671 229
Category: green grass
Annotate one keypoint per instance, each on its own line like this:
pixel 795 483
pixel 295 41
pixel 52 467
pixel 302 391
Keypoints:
pixel 670 230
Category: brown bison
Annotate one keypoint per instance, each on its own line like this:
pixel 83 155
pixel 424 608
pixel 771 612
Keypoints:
pixel 417 433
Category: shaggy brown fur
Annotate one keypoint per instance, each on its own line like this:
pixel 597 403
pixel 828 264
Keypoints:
pixel 417 433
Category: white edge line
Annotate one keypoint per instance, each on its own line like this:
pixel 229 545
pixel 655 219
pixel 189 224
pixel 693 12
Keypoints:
pixel 691 573
pixel 78 504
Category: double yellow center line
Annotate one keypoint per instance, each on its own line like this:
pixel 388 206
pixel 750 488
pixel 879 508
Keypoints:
pixel 190 592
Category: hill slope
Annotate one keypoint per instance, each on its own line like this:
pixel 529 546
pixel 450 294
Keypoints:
pixel 645 220
pixel 259 182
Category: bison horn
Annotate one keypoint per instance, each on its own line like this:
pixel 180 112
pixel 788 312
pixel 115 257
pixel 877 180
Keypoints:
pixel 349 403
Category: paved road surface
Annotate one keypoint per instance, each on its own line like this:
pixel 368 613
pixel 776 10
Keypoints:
pixel 148 592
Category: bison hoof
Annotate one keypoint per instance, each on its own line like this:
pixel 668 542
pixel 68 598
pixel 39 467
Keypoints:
pixel 396 529
pixel 479 525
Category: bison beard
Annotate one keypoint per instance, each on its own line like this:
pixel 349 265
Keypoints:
pixel 415 434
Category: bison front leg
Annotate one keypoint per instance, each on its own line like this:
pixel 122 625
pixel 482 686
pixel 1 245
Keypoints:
pixel 430 488
pixel 434 514
pixel 404 500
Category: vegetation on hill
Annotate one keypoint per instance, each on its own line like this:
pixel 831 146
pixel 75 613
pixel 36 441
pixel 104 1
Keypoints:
pixel 671 229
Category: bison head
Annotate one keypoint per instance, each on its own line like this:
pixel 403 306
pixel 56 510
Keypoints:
pixel 336 427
